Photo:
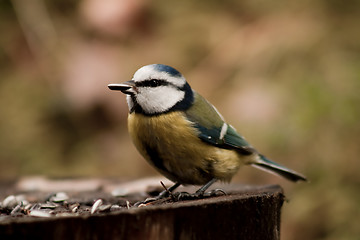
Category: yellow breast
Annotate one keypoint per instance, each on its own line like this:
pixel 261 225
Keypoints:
pixel 170 143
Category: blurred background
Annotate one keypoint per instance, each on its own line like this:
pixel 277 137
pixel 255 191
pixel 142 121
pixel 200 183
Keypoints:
pixel 286 74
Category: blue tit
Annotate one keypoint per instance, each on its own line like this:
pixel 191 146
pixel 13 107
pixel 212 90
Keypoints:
pixel 182 135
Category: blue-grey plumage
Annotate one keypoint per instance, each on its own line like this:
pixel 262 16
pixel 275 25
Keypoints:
pixel 182 135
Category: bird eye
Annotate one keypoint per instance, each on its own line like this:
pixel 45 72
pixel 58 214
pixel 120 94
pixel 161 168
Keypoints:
pixel 151 83
pixel 154 83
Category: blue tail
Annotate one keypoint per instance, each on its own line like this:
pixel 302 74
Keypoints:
pixel 268 165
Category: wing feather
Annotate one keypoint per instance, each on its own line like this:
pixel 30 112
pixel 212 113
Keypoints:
pixel 213 129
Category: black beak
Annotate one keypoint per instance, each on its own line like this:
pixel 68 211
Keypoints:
pixel 126 87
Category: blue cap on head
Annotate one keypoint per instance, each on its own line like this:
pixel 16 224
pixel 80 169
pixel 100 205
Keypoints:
pixel 165 68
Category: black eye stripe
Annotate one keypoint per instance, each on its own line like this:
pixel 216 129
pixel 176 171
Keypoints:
pixel 152 83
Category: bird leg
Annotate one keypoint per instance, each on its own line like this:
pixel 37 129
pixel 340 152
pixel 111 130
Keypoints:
pixel 167 191
pixel 200 192
pixel 178 196
pixel 161 195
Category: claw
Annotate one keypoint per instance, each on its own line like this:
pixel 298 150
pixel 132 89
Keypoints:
pixel 151 199
pixel 164 194
pixel 216 192
pixel 181 196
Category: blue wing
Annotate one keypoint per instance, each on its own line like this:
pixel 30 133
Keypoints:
pixel 213 129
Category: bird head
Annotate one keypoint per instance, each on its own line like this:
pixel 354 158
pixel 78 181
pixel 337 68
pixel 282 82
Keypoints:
pixel 156 89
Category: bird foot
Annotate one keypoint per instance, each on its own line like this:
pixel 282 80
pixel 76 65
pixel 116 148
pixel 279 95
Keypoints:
pixel 181 196
pixel 215 193
pixel 150 200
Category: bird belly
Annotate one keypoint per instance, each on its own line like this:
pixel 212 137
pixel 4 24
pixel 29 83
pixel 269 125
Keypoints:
pixel 170 143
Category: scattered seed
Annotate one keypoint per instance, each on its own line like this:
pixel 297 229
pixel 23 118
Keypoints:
pixel 104 208
pixel 17 209
pixel 28 206
pixel 24 203
pixel 12 201
pixel 115 207
pixel 59 197
pixel 39 213
pixel 96 205
pixel 142 205
pixel 48 205
pixel 9 202
pixel 75 207
pixel 128 204
pixel 36 206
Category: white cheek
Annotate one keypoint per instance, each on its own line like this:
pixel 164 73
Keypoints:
pixel 159 99
pixel 129 102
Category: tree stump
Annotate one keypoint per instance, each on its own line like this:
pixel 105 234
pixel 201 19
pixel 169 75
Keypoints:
pixel 245 212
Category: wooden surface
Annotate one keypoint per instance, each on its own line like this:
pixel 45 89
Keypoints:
pixel 246 212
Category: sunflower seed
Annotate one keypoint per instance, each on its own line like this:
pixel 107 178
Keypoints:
pixel 39 213
pixel 115 207
pixel 48 205
pixel 16 209
pixel 96 205
pixel 59 197
pixel 75 207
pixel 104 208
pixel 9 202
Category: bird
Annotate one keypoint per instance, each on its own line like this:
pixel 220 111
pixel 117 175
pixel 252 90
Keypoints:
pixel 183 135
